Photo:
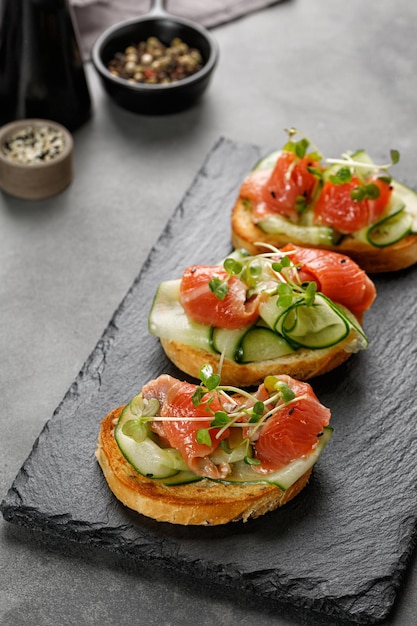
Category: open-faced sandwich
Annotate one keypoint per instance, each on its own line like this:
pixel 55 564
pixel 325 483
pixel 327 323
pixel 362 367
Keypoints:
pixel 295 311
pixel 209 454
pixel 350 205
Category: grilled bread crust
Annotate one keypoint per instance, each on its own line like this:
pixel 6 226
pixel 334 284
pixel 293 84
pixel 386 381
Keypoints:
pixel 302 364
pixel 205 503
pixel 245 234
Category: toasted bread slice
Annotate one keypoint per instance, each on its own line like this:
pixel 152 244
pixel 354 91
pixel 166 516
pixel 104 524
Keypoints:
pixel 302 364
pixel 205 502
pixel 246 234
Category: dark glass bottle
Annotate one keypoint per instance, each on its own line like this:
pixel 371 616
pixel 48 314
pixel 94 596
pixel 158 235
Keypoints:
pixel 41 69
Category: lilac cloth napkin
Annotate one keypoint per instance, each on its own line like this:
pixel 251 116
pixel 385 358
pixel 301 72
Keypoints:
pixel 94 16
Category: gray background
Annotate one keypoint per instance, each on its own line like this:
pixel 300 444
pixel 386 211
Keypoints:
pixel 345 73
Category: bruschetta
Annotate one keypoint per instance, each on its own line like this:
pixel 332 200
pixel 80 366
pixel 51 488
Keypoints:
pixel 205 454
pixel 295 311
pixel 350 205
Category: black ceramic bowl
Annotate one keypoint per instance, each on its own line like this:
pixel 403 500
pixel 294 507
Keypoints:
pixel 159 98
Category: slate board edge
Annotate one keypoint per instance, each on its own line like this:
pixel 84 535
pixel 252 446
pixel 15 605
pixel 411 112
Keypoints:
pixel 332 613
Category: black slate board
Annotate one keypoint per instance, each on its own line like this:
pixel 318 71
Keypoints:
pixel 341 548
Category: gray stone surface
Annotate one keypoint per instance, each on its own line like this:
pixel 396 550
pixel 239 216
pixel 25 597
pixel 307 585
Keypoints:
pixel 345 74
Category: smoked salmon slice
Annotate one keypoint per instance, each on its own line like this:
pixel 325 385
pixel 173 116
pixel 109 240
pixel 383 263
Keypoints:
pixel 205 307
pixel 285 190
pixel 336 275
pixel 293 430
pixel 290 432
pixel 175 399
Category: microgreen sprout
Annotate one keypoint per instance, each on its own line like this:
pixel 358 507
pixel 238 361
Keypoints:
pixel 362 192
pixel 343 175
pixel 347 160
pixel 310 293
pixel 285 261
pixel 243 410
pixel 301 204
pixel 220 287
pixel 238 409
pixel 347 163
pixel 136 429
pixel 285 295
pixel 144 411
pixel 271 272
pixel 300 147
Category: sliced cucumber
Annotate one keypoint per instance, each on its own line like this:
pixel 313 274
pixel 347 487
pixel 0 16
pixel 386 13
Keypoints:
pixel 359 163
pixel 270 312
pixel 315 326
pixel 232 456
pixel 314 235
pixel 262 344
pixel 243 473
pixel 284 477
pixel 332 170
pixel 384 233
pixel 279 331
pixel 181 478
pixel 146 456
pixel 390 229
pixel 318 325
pixel 367 165
pixel 168 320
pixel 409 197
pixel 227 342
pixel 267 162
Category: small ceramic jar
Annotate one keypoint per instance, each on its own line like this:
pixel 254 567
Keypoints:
pixel 35 158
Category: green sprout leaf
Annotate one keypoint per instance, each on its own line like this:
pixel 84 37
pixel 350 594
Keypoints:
pixel 137 405
pixel 385 179
pixel 219 287
pixel 221 419
pixel 206 371
pixel 278 266
pixel 300 204
pixel 251 273
pixel 285 295
pixel 270 382
pixel 343 175
pixel 209 382
pixel 258 407
pixel 135 429
pixel 286 391
pixel 310 293
pixel 301 147
pixel 362 192
pixel 203 436
pixel 141 407
pixel 198 395
pixel 395 156
pixel 314 170
pixel 212 382
pixel 298 147
pixel 256 412
pixel 232 267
